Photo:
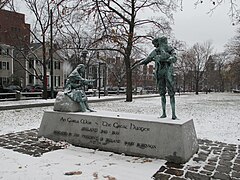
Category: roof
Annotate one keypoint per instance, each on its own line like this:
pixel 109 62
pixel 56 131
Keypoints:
pixel 35 46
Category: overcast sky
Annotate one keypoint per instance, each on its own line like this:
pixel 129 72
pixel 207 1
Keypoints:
pixel 193 25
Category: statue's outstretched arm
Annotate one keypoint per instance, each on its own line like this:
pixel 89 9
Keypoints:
pixel 145 61
pixel 149 58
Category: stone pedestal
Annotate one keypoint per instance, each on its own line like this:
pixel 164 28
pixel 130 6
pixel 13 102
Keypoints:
pixel 132 134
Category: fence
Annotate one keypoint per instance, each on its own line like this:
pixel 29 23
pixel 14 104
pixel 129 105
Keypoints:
pixel 20 95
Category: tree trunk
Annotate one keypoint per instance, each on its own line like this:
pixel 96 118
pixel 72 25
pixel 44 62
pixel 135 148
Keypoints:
pixel 197 87
pixel 45 95
pixel 129 82
pixel 127 59
pixel 184 82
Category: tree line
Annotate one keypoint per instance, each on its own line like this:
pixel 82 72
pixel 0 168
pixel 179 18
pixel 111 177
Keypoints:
pixel 123 28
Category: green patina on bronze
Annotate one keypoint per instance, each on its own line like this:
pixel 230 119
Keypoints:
pixel 74 87
pixel 163 55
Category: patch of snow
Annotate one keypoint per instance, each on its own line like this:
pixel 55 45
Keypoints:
pixel 215 116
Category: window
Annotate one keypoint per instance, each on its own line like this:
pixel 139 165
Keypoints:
pixel 3 51
pixel 31 63
pixel 5 65
pixel 56 65
pixel 56 81
pixel 30 79
pixel 3 81
pixel 49 64
pixel 90 70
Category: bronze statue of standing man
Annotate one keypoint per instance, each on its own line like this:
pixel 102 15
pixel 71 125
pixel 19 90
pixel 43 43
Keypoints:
pixel 163 55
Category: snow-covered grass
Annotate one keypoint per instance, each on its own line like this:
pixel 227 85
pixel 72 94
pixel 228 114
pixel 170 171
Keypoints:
pixel 215 115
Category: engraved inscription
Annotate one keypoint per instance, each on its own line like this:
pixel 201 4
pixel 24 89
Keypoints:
pixel 81 121
pixel 138 128
pixel 110 134
pixel 144 146
pixel 129 143
pixel 89 129
pixel 117 125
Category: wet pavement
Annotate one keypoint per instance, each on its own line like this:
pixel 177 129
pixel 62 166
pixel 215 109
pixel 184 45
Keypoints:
pixel 214 160
pixel 27 142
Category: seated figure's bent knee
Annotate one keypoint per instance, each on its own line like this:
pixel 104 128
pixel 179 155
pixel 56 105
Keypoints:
pixel 84 98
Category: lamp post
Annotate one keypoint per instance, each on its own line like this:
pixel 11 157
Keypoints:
pixel 84 55
pixel 103 77
pixel 99 79
pixel 51 52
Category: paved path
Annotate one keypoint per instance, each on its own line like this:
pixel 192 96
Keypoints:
pixel 7 105
pixel 26 142
pixel 214 160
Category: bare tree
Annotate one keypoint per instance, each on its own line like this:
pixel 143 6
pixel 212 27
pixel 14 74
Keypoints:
pixel 234 8
pixel 199 55
pixel 233 50
pixel 40 33
pixel 183 68
pixel 4 3
pixel 119 26
pixel 233 46
pixel 221 60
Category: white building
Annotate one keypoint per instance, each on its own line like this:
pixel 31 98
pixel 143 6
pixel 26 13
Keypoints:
pixel 6 64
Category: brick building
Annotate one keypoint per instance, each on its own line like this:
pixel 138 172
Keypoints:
pixel 13 29
pixel 14 33
pixel 142 77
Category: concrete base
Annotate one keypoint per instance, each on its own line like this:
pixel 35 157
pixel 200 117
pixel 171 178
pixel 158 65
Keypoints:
pixel 132 134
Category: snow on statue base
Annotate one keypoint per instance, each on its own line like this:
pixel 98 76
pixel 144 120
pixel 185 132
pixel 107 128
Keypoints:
pixel 132 134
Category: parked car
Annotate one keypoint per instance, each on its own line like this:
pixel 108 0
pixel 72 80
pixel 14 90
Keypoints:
pixel 14 87
pixel 38 88
pixel 5 90
pixel 33 88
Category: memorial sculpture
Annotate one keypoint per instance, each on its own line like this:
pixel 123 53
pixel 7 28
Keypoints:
pixel 163 55
pixel 74 90
pixel 131 134
pixel 74 87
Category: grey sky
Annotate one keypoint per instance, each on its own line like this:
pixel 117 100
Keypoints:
pixel 193 25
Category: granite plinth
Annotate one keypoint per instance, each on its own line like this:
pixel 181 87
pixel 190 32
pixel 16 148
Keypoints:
pixel 132 134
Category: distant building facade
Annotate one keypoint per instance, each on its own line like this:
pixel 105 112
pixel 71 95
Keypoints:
pixel 14 33
pixel 35 67
pixel 115 71
pixel 6 64
pixel 13 29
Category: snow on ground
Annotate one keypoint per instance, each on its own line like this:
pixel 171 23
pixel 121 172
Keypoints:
pixel 215 115
pixel 89 164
